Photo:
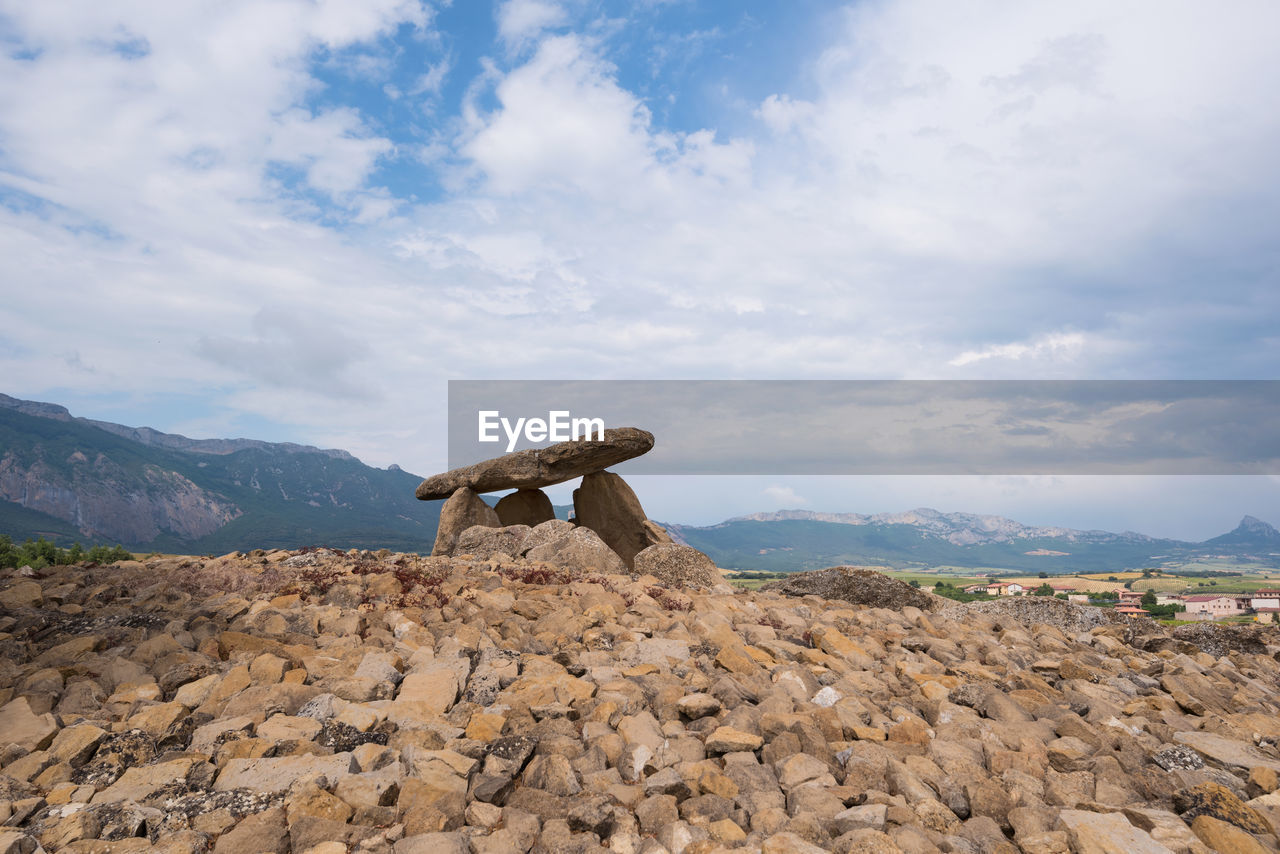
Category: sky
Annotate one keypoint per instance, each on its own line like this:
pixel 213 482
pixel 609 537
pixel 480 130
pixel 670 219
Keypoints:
pixel 296 220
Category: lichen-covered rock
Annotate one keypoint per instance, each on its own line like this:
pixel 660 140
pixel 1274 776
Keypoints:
pixel 677 565
pixel 855 585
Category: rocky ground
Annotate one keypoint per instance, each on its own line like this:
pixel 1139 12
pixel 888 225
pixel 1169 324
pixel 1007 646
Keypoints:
pixel 322 701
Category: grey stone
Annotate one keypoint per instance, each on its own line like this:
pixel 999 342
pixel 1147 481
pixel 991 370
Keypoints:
pixel 539 467
pixel 463 510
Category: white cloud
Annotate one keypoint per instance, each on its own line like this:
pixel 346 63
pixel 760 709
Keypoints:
pixel 991 190
pixel 1061 346
pixel 785 497
pixel 520 21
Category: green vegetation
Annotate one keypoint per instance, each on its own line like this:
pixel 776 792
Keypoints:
pixel 40 553
pixel 754 579
pixel 950 591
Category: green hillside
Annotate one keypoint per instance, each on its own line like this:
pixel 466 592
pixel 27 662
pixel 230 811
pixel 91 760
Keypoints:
pixel 283 499
pixel 791 545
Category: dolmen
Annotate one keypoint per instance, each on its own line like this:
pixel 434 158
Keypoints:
pixel 604 503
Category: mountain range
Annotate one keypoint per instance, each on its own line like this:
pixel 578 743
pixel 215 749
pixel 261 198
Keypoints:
pixel 68 478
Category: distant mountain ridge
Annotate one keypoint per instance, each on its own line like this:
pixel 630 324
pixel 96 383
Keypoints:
pixel 75 478
pixel 962 529
pixel 787 540
pixel 172 441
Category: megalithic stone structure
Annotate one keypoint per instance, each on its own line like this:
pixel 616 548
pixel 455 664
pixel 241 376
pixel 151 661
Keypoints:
pixel 604 503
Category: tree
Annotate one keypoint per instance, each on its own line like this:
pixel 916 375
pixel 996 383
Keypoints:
pixel 1043 590
pixel 1042 575
pixel 1148 599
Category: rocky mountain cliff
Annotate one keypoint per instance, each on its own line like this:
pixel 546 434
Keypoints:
pixel 1252 534
pixel 72 478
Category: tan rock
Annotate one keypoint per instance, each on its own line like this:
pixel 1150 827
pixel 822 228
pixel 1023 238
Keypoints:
pixel 1106 833
pixel 729 740
pixel 267 669
pixel 288 728
pixel 155 720
pixel 260 833
pixel 311 800
pixel 1223 836
pixel 75 745
pixel 20 726
pixel 194 694
pixel 23 594
pixel 141 781
pixel 463 510
pixel 277 774
pixel 432 802
pixel 16 842
pixel 431 691
pixel 607 505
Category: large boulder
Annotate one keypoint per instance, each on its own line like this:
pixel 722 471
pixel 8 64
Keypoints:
pixel 856 585
pixel 463 510
pixel 677 565
pixel 552 529
pixel 525 507
pixel 539 467
pixel 605 504
pixel 579 549
pixel 485 542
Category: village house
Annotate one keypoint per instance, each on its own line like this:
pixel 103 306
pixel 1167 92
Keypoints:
pixel 1211 606
pixel 1265 599
pixel 1132 611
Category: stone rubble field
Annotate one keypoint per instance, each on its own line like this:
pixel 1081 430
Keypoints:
pixel 322 701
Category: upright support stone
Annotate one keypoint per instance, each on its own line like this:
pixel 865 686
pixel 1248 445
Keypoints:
pixel 605 504
pixel 463 509
pixel 529 507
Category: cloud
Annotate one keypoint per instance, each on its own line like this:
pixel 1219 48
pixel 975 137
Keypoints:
pixel 783 496
pixel 520 21
pixel 292 351
pixel 928 192
pixel 1059 346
